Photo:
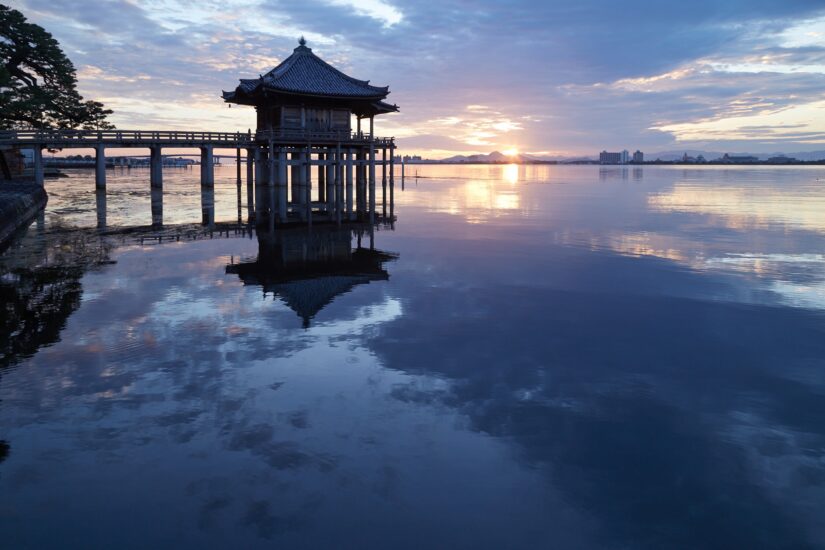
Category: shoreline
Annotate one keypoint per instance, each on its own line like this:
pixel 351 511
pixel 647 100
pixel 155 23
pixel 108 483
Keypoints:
pixel 20 202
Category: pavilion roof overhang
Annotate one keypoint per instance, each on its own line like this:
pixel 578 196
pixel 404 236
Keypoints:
pixel 306 78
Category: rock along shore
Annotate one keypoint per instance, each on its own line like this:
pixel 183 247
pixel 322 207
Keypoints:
pixel 19 204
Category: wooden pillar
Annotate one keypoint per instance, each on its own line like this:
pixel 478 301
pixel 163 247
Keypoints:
pixel 156 167
pixel 157 206
pixel 100 208
pixel 372 180
pixel 392 180
pixel 306 158
pixel 282 183
pixel 339 184
pixel 39 177
pixel 100 167
pixel 371 128
pixel 330 179
pixel 207 168
pixel 260 185
pixel 273 186
pixel 295 180
pixel 239 185
pixel 250 179
pixel 322 178
pixel 238 169
pixel 350 213
pixel 207 205
pixel 384 181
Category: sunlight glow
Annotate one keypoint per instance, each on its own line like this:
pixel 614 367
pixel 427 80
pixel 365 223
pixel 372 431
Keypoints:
pixel 511 151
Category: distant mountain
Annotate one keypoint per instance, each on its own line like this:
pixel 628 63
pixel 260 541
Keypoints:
pixel 496 157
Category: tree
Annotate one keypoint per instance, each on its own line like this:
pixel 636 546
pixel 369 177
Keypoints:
pixel 38 86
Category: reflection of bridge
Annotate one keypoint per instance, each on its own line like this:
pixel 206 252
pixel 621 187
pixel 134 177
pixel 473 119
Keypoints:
pixel 309 269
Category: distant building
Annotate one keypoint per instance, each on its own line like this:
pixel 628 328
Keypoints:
pixel 734 159
pixel 610 158
pixel 701 159
pixel 781 159
pixel 625 158
pixel 638 157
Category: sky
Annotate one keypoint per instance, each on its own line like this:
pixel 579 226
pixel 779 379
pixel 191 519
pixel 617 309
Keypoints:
pixel 545 78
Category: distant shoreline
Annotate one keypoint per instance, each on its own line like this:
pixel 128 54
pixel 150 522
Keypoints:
pixel 630 165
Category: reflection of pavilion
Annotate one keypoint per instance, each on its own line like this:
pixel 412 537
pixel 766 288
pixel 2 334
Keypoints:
pixel 307 269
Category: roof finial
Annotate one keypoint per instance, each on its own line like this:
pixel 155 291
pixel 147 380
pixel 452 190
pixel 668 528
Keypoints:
pixel 302 41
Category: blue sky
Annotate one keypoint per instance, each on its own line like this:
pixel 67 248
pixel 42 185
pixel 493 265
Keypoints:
pixel 562 78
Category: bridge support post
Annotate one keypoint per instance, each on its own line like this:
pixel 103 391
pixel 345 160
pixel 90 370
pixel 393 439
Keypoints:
pixel 100 167
pixel 274 184
pixel 100 208
pixel 39 178
pixel 155 167
pixel 372 178
pixel 350 213
pixel 157 206
pixel 282 198
pixel 207 167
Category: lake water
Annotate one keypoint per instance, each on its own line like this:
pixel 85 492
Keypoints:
pixel 541 356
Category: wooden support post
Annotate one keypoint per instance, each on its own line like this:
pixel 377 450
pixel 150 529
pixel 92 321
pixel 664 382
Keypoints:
pixel 250 179
pixel 392 181
pixel 306 158
pixel 350 213
pixel 371 128
pixel 295 181
pixel 322 179
pixel 273 184
pixel 282 183
pixel 330 182
pixel 372 180
pixel 239 185
pixel 207 168
pixel 207 205
pixel 100 207
pixel 39 177
pixel 260 185
pixel 157 206
pixel 155 167
pixel 384 181
pixel 238 169
pixel 100 167
pixel 339 184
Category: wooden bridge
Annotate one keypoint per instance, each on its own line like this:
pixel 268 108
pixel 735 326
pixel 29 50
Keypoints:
pixel 284 161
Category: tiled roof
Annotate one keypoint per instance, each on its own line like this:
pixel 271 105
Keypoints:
pixel 303 72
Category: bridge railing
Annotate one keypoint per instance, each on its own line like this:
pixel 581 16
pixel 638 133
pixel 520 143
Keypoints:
pixel 93 136
pixel 161 137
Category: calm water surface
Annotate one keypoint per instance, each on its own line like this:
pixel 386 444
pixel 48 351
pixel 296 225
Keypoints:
pixel 554 357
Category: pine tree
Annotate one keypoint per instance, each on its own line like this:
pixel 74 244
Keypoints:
pixel 38 86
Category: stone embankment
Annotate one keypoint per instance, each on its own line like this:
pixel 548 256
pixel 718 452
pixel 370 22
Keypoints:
pixel 20 203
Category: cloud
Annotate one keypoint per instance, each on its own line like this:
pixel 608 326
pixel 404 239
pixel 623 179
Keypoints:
pixel 573 78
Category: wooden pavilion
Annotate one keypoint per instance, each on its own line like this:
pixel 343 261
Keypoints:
pixel 308 162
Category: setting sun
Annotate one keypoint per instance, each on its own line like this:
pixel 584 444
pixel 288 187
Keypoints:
pixel 511 152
